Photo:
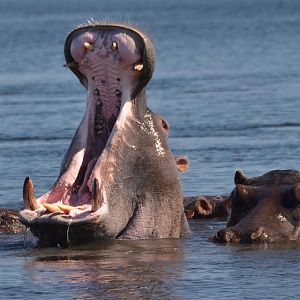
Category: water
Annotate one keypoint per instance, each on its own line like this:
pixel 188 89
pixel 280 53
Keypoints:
pixel 227 79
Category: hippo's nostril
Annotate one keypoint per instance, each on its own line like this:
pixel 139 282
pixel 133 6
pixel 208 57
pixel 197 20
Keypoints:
pixel 260 235
pixel 256 234
pixel 218 236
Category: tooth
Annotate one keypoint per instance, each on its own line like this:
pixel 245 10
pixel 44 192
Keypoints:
pixel 95 196
pixel 114 46
pixel 53 208
pixel 28 195
pixel 88 46
pixel 67 208
pixel 84 61
pixel 138 67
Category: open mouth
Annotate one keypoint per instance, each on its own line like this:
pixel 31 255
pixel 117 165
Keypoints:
pixel 113 63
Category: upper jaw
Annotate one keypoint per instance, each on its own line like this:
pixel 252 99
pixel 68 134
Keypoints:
pixel 148 52
pixel 137 80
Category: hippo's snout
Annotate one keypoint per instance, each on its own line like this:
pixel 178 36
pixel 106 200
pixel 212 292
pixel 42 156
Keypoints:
pixel 260 235
pixel 230 235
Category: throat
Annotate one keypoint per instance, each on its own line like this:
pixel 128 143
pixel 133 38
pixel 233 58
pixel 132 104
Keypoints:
pixel 106 97
pixel 102 118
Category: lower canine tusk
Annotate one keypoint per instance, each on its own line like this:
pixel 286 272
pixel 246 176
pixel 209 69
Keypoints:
pixel 95 195
pixel 28 195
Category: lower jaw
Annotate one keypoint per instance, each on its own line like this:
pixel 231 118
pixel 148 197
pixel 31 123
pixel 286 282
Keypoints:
pixel 54 229
pixel 56 234
pixel 82 223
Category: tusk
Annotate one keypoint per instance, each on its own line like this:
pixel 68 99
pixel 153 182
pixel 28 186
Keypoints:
pixel 28 195
pixel 95 196
pixel 138 67
pixel 53 208
pixel 88 46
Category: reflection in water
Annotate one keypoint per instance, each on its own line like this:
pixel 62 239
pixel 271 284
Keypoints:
pixel 111 269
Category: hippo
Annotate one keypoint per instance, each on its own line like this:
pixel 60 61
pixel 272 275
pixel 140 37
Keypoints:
pixel 182 163
pixel 264 209
pixel 272 178
pixel 9 221
pixel 9 217
pixel 207 207
pixel 119 178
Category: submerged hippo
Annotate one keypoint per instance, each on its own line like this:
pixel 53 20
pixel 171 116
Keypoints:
pixel 9 221
pixel 119 178
pixel 207 207
pixel 272 178
pixel 264 209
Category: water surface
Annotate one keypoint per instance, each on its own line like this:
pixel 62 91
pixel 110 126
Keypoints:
pixel 227 79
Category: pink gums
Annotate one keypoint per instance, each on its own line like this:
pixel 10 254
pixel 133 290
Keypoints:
pixel 109 69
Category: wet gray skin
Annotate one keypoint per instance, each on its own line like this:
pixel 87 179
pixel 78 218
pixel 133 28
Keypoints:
pixel 267 210
pixel 272 178
pixel 119 178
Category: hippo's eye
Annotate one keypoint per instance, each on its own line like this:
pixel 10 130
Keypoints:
pixel 114 46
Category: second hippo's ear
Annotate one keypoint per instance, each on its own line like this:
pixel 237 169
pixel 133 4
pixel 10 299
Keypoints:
pixel 204 207
pixel 182 163
pixel 240 177
pixel 296 190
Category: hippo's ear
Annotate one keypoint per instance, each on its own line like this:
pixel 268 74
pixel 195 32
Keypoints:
pixel 240 177
pixel 204 207
pixel 182 163
pixel 296 190
pixel 165 125
pixel 244 192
